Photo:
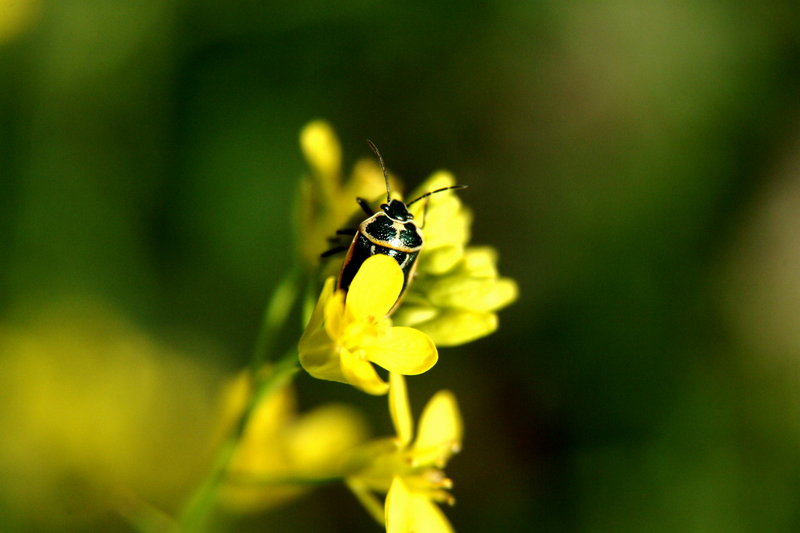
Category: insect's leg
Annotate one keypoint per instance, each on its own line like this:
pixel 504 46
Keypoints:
pixel 365 206
pixel 333 251
pixel 350 232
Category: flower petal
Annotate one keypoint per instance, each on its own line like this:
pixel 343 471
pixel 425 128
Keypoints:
pixel 335 315
pixel 319 357
pixel 318 314
pixel 413 314
pixel 399 508
pixel 473 293
pixel 361 374
pixel 452 327
pixel 403 350
pixel 321 148
pixel 428 518
pixel 375 288
pixel 440 431
pixel 481 261
pixel 399 408
pixel 442 259
pixel 409 512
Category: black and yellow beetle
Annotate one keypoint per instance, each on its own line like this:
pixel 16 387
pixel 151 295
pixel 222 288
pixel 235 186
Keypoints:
pixel 391 231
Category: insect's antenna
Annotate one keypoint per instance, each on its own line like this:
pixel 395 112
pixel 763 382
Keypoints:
pixel 385 174
pixel 434 192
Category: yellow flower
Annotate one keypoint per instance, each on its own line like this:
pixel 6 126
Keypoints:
pixel 348 333
pixel 457 290
pixel 281 454
pixel 411 472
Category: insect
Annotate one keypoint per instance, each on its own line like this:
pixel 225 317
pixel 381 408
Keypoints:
pixel 391 231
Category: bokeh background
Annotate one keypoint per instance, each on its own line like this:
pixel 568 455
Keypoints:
pixel 636 164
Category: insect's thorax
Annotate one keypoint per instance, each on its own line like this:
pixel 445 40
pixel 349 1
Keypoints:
pixel 380 229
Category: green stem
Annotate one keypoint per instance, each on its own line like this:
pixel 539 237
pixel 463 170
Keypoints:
pixel 196 514
pixel 297 481
pixel 275 315
pixel 198 510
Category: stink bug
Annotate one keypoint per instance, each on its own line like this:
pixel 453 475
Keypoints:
pixel 391 231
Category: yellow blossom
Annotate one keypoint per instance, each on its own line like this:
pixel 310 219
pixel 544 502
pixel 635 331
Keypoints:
pixel 349 332
pixel 457 289
pixel 281 454
pixel 410 471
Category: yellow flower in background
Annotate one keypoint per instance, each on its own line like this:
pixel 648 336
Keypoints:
pixel 348 333
pixel 97 417
pixel 457 290
pixel 281 454
pixel 410 471
pixel 17 16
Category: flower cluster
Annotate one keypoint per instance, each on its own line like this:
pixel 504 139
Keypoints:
pixel 452 298
pixel 416 286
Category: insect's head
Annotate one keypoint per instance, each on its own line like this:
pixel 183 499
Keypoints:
pixel 397 211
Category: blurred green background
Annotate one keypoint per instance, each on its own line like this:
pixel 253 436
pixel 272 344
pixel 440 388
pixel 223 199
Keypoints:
pixel 636 164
